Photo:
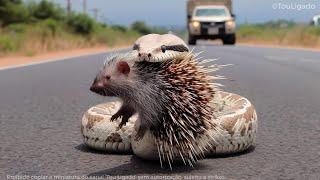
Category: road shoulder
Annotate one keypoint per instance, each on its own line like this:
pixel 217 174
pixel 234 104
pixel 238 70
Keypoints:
pixel 16 61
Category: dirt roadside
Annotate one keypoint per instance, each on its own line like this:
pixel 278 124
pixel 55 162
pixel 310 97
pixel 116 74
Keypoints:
pixel 16 60
pixel 279 46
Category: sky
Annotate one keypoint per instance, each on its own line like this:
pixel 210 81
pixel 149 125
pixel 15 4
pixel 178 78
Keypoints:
pixel 173 12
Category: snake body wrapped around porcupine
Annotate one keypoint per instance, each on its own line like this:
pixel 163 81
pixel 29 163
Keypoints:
pixel 177 107
pixel 235 115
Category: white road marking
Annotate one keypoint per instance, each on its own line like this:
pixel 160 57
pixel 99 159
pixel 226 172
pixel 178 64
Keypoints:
pixel 292 59
pixel 56 60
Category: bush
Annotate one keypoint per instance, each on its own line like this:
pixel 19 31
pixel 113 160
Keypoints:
pixel 81 23
pixel 18 28
pixel 14 11
pixel 2 2
pixel 46 10
pixel 120 28
pixel 315 31
pixel 6 44
pixel 279 24
pixel 141 27
pixel 52 25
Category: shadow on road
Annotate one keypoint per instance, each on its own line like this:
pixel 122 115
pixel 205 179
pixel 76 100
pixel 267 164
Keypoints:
pixel 249 150
pixel 86 149
pixel 138 166
pixel 215 43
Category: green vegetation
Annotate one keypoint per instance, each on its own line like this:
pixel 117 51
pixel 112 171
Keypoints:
pixel 31 28
pixel 281 32
pixel 37 27
pixel 142 28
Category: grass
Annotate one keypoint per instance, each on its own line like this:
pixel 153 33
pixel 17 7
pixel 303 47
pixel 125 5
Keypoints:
pixel 28 28
pixel 294 35
pixel 45 36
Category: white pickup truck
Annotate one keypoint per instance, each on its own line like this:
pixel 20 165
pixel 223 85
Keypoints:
pixel 316 20
pixel 211 20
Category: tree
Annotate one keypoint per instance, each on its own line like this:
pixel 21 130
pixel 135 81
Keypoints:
pixel 12 11
pixel 46 10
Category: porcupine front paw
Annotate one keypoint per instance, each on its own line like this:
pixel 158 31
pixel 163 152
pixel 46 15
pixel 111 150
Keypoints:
pixel 140 133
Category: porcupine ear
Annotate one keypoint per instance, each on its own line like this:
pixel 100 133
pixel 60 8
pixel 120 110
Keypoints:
pixel 123 67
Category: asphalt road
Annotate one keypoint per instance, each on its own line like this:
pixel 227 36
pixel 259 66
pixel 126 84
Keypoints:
pixel 41 108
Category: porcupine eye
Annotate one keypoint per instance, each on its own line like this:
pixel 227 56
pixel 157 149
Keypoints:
pixel 163 48
pixel 107 77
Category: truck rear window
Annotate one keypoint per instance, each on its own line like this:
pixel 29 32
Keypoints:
pixel 211 12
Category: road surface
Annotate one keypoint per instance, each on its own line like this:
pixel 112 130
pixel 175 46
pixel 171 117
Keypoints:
pixel 41 108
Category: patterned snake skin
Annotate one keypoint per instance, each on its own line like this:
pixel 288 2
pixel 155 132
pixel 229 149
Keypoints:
pixel 235 114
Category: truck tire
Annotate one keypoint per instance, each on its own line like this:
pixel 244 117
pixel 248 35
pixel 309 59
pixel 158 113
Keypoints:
pixel 192 40
pixel 229 39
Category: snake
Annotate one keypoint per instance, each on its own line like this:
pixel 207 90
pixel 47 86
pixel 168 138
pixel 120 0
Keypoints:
pixel 235 116
pixel 236 119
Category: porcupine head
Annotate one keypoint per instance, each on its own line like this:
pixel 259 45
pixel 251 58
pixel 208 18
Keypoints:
pixel 171 98
pixel 121 78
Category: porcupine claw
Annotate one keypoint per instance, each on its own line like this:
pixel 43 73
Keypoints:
pixel 140 133
pixel 120 125
pixel 124 121
pixel 115 117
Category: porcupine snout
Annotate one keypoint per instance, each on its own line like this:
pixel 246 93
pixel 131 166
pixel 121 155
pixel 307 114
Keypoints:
pixel 97 87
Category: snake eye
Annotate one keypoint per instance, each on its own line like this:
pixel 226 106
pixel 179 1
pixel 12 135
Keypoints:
pixel 135 47
pixel 163 48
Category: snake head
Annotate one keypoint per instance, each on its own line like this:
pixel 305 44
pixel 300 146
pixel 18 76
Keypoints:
pixel 158 48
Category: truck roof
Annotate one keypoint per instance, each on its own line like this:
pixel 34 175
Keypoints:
pixel 191 4
pixel 211 6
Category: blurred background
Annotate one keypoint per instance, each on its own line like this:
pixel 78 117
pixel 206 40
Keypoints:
pixel 30 27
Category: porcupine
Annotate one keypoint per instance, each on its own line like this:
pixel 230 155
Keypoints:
pixel 172 99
